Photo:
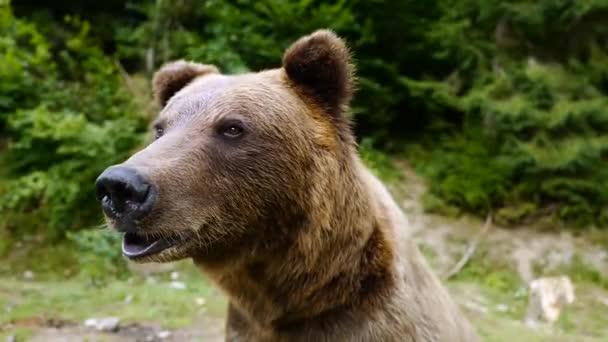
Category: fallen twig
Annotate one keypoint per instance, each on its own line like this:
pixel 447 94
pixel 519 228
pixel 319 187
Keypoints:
pixel 470 249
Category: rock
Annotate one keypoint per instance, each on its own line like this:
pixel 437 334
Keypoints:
pixel 103 324
pixel 502 308
pixel 128 299
pixel 178 285
pixel 108 324
pixel 546 299
pixel 90 323
pixel 174 275
pixel 474 306
pixel 28 275
pixel 163 334
pixel 200 301
pixel 11 338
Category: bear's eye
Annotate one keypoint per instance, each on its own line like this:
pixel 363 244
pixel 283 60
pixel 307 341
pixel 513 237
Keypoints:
pixel 158 132
pixel 231 129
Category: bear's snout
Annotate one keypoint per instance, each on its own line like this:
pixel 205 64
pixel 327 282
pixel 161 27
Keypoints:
pixel 125 196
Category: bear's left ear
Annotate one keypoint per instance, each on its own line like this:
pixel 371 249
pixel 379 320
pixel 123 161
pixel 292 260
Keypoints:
pixel 173 76
pixel 319 65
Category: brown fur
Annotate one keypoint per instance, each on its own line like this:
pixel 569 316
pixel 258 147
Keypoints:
pixel 174 76
pixel 305 241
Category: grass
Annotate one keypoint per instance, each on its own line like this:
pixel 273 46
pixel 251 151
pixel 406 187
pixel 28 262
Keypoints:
pixel 492 272
pixel 48 298
pixel 498 284
pixel 584 320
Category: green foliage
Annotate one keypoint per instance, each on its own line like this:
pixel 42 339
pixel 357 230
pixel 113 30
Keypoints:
pixel 526 136
pixel 99 253
pixel 467 175
pixel 533 138
pixel 65 115
pixel 582 271
pixel 505 101
pixel 234 35
pixel 379 162
pixel 495 274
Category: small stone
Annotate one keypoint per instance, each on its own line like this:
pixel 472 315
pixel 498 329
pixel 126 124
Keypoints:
pixel 28 275
pixel 474 306
pixel 128 299
pixel 174 275
pixel 90 323
pixel 178 285
pixel 11 338
pixel 502 308
pixel 163 334
pixel 149 338
pixel 200 301
pixel 546 299
pixel 108 324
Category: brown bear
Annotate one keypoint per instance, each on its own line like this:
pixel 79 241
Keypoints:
pixel 257 179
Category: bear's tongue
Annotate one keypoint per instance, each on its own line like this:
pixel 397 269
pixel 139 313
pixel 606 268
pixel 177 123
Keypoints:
pixel 135 245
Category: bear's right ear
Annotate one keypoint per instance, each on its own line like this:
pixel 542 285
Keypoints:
pixel 173 76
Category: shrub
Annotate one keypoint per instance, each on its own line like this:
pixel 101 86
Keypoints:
pixel 504 100
pixel 65 115
pixel 99 253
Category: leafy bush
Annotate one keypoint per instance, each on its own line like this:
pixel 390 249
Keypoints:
pixel 504 100
pixel 534 138
pixel 99 253
pixel 526 131
pixel 65 115
pixel 378 161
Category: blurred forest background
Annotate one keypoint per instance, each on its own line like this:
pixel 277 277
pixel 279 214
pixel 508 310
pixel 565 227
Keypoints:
pixel 500 106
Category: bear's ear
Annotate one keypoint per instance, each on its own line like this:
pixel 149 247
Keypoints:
pixel 319 64
pixel 173 76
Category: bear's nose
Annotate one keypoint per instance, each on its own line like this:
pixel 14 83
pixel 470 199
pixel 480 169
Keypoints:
pixel 124 193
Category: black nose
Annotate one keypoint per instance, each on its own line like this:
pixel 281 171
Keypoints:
pixel 124 193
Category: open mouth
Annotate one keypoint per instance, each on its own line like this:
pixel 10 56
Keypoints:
pixel 136 245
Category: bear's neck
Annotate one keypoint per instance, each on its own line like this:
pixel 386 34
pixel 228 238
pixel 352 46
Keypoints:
pixel 340 258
